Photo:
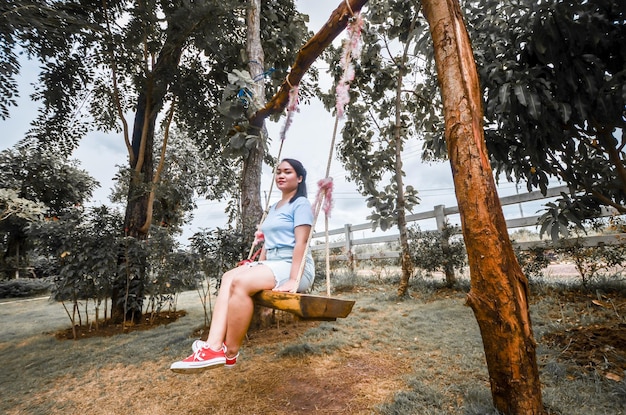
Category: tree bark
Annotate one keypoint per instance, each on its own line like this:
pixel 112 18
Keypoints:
pixel 499 289
pixel 405 259
pixel 136 212
pixel 15 249
pixel 448 270
pixel 251 210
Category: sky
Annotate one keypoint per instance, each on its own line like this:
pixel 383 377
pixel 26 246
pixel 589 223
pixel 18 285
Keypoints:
pixel 308 140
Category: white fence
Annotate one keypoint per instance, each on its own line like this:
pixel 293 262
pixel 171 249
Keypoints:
pixel 345 237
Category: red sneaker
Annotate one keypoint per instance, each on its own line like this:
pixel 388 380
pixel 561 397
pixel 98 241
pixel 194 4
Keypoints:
pixel 231 361
pixel 202 359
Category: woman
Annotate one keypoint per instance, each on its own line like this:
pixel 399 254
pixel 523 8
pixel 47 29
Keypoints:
pixel 286 231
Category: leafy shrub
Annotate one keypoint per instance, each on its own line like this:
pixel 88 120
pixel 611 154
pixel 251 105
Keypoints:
pixel 438 250
pixel 215 252
pixel 82 250
pixel 590 261
pixel 22 288
pixel 218 250
pixel 593 262
pixel 169 271
pixel 533 261
pixel 340 281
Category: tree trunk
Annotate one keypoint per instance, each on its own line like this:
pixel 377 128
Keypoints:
pixel 406 261
pixel 447 267
pixel 15 249
pixel 251 210
pixel 499 289
pixel 138 216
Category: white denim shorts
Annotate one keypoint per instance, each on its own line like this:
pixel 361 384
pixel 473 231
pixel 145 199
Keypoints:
pixel 279 261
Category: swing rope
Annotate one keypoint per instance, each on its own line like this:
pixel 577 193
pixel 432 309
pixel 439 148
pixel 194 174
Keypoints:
pixel 323 199
pixel 351 47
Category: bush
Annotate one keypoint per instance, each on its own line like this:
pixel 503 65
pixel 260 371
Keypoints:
pixel 23 288
pixel 438 251
pixel 594 261
pixel 533 261
pixel 340 281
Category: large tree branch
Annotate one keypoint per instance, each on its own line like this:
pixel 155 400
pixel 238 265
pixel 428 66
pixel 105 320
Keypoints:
pixel 306 56
pixel 157 174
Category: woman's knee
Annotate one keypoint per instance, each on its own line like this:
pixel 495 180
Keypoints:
pixel 250 283
pixel 239 285
pixel 226 283
pixel 228 277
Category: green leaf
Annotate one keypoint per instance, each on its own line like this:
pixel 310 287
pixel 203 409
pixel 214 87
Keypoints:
pixel 580 106
pixel 529 99
pixel 503 94
pixel 521 94
pixel 238 140
pixel 565 110
pixel 534 105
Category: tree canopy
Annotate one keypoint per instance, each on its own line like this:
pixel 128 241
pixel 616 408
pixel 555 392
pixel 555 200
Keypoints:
pixel 164 62
pixel 34 184
pixel 554 76
pixel 387 99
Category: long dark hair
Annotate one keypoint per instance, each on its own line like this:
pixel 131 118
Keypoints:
pixel 301 172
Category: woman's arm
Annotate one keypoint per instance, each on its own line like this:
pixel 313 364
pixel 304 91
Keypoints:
pixel 302 237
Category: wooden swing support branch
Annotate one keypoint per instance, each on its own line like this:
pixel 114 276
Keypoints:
pixel 337 22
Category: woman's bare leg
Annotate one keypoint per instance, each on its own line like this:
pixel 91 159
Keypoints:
pixel 219 318
pixel 240 305
pixel 230 320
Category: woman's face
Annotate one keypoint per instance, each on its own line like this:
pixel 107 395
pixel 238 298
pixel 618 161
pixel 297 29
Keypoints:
pixel 287 179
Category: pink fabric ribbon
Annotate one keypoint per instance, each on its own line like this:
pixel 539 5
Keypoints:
pixel 258 238
pixel 292 106
pixel 351 48
pixel 325 191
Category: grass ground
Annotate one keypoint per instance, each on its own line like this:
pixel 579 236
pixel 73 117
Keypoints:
pixel 422 355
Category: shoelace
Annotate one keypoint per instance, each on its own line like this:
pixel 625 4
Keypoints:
pixel 198 355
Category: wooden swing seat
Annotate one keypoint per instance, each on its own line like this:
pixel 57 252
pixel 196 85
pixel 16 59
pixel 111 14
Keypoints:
pixel 305 306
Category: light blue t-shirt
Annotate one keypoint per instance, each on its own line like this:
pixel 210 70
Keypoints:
pixel 278 226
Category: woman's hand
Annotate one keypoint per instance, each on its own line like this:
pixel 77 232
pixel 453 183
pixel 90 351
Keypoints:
pixel 288 286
